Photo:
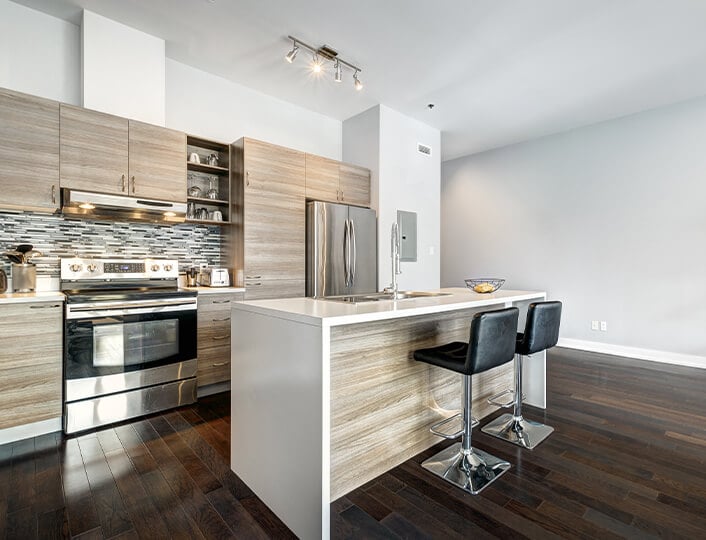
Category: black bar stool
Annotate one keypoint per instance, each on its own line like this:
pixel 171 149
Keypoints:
pixel 541 333
pixel 491 343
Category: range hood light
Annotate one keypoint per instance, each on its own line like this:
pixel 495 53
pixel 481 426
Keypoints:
pixel 87 206
pixel 169 214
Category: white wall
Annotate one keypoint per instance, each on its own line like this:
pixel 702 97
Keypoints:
pixel 39 54
pixel 122 70
pixel 403 179
pixel 608 218
pixel 203 104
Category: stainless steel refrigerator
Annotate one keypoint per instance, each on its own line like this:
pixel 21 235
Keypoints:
pixel 341 249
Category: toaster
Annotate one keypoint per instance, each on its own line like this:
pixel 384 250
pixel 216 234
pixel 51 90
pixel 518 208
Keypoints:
pixel 214 277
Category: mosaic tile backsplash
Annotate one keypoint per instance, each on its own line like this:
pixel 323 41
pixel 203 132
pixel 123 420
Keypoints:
pixel 58 237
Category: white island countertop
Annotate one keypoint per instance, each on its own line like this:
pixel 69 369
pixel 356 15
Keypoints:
pixel 332 313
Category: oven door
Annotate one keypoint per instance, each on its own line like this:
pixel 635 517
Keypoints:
pixel 115 346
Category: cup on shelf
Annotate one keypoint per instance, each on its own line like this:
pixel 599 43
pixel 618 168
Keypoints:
pixel 216 215
pixel 194 158
pixel 191 210
pixel 212 160
pixel 202 213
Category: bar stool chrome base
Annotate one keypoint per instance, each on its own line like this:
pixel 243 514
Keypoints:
pixel 521 432
pixel 471 472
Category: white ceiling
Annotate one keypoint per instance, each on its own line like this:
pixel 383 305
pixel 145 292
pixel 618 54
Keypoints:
pixel 499 71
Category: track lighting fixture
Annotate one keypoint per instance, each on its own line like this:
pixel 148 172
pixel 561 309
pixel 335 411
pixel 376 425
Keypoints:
pixel 322 54
pixel 291 55
pixel 356 82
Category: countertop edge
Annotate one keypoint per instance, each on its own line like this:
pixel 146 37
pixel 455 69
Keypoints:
pixel 392 313
pixel 28 298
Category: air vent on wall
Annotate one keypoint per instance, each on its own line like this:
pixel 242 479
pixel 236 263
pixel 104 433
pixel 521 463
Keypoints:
pixel 424 149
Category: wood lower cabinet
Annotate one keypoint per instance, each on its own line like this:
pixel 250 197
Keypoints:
pixel 109 154
pixel 29 152
pixel 213 348
pixel 269 240
pixel 30 362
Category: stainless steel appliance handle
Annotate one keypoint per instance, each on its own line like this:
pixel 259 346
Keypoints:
pixel 346 253
pixel 100 309
pixel 354 251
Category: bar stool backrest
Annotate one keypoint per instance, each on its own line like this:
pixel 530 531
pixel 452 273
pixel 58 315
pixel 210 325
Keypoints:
pixel 541 327
pixel 492 340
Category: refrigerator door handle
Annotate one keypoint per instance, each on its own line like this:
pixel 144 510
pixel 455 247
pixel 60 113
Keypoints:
pixel 346 253
pixel 353 252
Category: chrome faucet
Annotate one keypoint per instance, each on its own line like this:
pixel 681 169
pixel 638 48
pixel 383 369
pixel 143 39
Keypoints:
pixel 395 254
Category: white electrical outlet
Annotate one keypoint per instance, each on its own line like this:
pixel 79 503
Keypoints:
pixel 594 325
pixel 604 326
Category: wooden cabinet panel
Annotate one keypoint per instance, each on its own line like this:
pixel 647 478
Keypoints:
pixel 213 347
pixel 157 162
pixel 274 288
pixel 322 179
pixel 354 185
pixel 93 151
pixel 274 212
pixel 29 152
pixel 30 363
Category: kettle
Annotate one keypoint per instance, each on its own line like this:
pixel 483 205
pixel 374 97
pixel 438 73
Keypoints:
pixel 3 281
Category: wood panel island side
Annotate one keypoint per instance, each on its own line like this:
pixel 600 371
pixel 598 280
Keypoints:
pixel 326 396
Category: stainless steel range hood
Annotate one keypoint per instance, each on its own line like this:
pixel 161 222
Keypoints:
pixel 120 208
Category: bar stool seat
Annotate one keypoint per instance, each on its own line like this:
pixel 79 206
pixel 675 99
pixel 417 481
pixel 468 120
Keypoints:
pixel 541 333
pixel 491 343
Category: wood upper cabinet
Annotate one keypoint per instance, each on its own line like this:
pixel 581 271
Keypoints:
pixel 333 181
pixel 157 162
pixel 94 151
pixel 274 218
pixel 30 362
pixel 29 152
pixel 108 154
pixel 322 178
pixel 354 184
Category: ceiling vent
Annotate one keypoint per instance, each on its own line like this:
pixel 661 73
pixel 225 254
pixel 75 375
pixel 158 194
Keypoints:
pixel 424 149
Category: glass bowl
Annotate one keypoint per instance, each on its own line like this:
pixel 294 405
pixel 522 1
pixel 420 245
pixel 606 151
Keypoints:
pixel 484 285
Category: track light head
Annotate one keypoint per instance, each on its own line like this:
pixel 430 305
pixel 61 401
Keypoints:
pixel 356 82
pixel 316 64
pixel 291 55
pixel 337 72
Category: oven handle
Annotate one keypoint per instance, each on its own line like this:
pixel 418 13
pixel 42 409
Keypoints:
pixel 88 311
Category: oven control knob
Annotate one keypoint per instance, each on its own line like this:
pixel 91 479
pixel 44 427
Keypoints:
pixel 91 267
pixel 155 268
pixel 75 267
pixel 167 267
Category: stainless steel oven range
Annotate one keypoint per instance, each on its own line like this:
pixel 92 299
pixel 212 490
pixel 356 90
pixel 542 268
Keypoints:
pixel 129 340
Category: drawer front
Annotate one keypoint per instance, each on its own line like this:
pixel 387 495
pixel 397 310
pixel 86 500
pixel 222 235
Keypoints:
pixel 217 302
pixel 214 365
pixel 213 334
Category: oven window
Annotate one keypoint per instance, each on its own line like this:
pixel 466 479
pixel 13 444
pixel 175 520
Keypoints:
pixel 134 343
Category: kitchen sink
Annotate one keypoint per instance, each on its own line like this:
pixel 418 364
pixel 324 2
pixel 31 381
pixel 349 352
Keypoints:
pixel 377 297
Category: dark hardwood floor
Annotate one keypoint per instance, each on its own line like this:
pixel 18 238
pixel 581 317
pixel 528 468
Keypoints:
pixel 627 460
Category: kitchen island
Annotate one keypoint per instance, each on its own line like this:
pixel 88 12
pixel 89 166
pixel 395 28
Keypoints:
pixel 326 396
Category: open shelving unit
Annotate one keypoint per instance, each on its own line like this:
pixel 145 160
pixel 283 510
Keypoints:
pixel 208 178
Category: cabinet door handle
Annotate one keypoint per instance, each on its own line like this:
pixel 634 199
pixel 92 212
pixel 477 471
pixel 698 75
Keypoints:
pixel 221 320
pixel 247 178
pixel 133 184
pixel 219 364
pixel 256 284
pixel 53 194
pixel 45 306
pixel 342 198
pixel 219 338
pixel 253 277
pixel 123 179
pixel 221 301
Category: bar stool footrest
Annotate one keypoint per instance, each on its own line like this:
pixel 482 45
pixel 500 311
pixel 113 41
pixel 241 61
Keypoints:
pixel 495 400
pixel 435 428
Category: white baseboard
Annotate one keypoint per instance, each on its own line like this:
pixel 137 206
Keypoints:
pixel 26 431
pixel 664 357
